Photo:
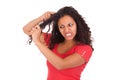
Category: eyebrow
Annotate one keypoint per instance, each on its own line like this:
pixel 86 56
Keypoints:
pixel 67 24
pixel 60 25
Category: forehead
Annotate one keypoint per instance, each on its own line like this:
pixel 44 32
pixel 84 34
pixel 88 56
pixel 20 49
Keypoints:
pixel 66 19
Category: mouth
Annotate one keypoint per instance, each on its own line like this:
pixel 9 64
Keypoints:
pixel 68 34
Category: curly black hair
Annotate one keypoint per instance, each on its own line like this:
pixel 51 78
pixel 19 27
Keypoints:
pixel 83 34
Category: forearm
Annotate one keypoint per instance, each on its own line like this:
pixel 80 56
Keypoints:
pixel 58 62
pixel 50 56
pixel 27 28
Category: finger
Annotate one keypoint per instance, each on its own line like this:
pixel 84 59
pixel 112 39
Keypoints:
pixel 33 29
pixel 51 13
pixel 37 27
pixel 48 14
pixel 31 32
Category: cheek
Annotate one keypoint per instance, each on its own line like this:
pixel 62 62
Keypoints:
pixel 74 29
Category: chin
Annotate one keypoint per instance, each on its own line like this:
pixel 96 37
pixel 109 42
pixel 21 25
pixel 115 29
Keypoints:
pixel 69 39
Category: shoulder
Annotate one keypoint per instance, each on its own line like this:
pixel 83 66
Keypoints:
pixel 83 46
pixel 84 50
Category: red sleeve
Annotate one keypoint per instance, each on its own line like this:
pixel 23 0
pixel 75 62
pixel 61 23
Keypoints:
pixel 47 38
pixel 85 51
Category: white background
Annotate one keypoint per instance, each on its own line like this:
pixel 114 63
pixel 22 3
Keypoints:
pixel 19 61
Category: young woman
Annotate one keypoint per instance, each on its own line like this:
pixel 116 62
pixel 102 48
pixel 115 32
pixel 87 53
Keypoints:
pixel 67 48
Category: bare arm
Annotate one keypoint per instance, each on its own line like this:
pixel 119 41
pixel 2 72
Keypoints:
pixel 60 63
pixel 28 27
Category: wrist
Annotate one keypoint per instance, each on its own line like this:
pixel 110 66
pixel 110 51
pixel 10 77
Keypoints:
pixel 37 43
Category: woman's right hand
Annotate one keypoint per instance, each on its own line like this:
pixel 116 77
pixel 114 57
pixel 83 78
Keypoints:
pixel 28 27
pixel 47 15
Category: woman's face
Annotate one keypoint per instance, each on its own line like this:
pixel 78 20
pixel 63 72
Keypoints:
pixel 67 27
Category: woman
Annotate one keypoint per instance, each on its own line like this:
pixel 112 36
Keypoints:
pixel 69 46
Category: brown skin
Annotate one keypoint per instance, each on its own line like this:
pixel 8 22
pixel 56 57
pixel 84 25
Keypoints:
pixel 28 27
pixel 68 31
pixel 67 28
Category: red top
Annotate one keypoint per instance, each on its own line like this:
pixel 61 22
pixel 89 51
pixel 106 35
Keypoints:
pixel 71 73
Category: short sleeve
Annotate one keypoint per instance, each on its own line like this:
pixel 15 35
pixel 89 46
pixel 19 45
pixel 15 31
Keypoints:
pixel 47 38
pixel 85 51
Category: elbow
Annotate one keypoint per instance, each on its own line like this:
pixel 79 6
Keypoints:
pixel 25 31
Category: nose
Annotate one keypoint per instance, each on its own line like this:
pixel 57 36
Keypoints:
pixel 66 29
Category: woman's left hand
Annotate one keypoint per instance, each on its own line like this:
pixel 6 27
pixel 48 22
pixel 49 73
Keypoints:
pixel 36 32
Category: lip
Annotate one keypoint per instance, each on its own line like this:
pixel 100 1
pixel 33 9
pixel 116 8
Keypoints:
pixel 68 34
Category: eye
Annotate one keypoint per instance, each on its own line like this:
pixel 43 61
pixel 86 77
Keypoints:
pixel 61 26
pixel 70 24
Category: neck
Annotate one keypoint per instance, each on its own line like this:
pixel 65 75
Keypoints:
pixel 70 42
